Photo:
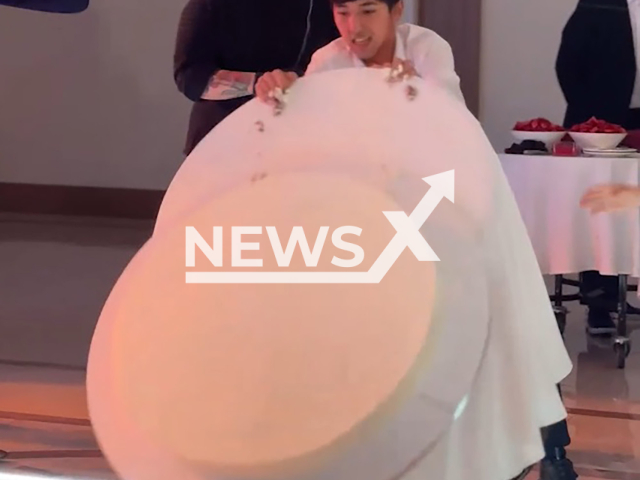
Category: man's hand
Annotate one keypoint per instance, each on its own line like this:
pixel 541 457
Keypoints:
pixel 269 84
pixel 611 198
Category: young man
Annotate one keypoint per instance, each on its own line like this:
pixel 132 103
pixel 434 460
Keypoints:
pixel 370 36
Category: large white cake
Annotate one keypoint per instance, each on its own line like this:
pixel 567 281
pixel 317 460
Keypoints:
pixel 308 376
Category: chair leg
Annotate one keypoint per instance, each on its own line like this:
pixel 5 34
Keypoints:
pixel 559 309
pixel 622 343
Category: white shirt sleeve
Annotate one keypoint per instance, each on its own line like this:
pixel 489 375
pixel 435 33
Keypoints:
pixel 433 59
pixel 322 60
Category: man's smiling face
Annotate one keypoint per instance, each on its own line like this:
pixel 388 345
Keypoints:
pixel 369 28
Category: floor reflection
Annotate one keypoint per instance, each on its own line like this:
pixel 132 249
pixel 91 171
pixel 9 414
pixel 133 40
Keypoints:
pixel 55 276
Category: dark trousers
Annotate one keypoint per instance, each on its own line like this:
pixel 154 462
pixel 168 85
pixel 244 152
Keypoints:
pixel 599 292
pixel 555 439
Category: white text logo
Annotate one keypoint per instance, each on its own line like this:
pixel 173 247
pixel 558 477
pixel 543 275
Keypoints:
pixel 407 236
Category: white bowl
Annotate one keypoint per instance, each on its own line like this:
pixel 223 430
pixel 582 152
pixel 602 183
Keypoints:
pixel 600 141
pixel 548 138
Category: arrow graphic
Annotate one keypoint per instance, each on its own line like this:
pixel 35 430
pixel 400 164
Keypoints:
pixel 407 236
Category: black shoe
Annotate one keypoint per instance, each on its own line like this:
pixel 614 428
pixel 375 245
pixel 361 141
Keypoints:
pixel 631 310
pixel 524 474
pixel 599 322
pixel 557 469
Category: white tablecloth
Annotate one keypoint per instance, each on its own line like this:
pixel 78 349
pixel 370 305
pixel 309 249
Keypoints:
pixel 566 238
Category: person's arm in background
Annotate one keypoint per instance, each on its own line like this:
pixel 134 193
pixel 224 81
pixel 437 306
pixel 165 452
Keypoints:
pixel 197 72
pixel 611 198
pixel 573 55
pixel 50 6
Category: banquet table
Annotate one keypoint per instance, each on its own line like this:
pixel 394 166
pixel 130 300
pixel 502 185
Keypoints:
pixel 567 239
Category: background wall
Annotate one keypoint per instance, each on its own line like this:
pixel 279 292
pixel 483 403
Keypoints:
pixel 520 40
pixel 410 11
pixel 459 22
pixel 89 99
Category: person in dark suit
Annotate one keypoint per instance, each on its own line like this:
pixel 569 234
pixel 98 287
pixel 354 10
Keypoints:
pixel 50 6
pixel 596 64
pixel 223 47
pixel 598 74
pixel 597 71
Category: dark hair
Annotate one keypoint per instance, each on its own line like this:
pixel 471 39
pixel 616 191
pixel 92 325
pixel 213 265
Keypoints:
pixel 389 3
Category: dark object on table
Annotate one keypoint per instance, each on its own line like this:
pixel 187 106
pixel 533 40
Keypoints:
pixel 566 149
pixel 50 6
pixel 527 146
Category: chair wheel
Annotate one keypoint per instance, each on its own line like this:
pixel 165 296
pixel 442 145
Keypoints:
pixel 621 358
pixel 622 348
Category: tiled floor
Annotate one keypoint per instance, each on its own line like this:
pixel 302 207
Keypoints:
pixel 54 277
pixel 55 274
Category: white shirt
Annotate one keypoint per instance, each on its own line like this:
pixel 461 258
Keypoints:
pixel 634 13
pixel 430 54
